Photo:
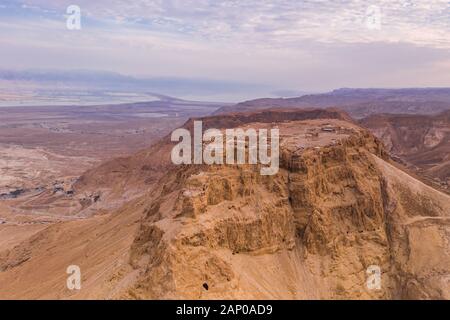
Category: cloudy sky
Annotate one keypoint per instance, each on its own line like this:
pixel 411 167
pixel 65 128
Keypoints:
pixel 299 45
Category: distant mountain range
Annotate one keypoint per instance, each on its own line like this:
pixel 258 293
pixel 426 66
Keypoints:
pixel 360 103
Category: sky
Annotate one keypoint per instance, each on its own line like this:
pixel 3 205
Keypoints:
pixel 274 46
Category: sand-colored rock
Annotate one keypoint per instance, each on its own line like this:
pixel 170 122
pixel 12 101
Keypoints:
pixel 207 232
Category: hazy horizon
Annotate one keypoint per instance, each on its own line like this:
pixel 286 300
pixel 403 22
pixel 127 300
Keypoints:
pixel 230 50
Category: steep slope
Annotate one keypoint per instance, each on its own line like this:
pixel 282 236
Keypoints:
pixel 423 142
pixel 336 207
pixel 36 269
pixel 419 225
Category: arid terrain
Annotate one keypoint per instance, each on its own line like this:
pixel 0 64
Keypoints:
pixel 46 139
pixel 421 142
pixel 44 150
pixel 140 227
pixel 225 150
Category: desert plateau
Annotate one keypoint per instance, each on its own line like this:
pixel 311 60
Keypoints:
pixel 144 228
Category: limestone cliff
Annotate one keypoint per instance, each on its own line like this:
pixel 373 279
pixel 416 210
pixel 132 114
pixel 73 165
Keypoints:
pixel 309 232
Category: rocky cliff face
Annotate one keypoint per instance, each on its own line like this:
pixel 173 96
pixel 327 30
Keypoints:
pixel 311 231
pixel 120 180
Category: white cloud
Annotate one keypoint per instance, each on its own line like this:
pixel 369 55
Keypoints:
pixel 309 44
pixel 280 22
